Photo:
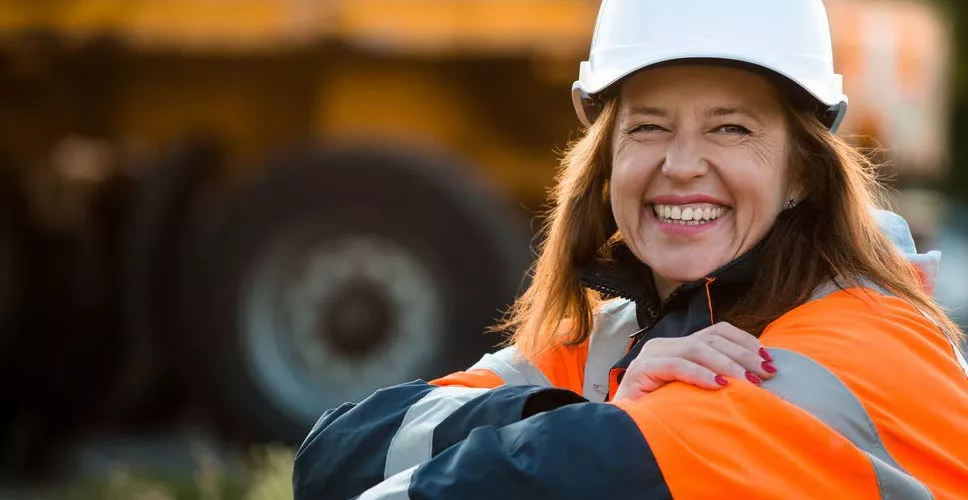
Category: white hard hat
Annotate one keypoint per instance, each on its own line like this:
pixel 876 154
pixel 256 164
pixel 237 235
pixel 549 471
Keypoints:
pixel 790 38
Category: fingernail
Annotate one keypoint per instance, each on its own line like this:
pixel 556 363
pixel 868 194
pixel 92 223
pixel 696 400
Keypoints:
pixel 721 380
pixel 765 354
pixel 768 368
pixel 753 378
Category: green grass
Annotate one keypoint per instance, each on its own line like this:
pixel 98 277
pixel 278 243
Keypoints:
pixel 267 477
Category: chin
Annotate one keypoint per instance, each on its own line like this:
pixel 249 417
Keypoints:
pixel 681 275
pixel 684 270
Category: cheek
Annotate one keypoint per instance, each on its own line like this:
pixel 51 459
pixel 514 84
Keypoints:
pixel 761 204
pixel 759 191
pixel 629 182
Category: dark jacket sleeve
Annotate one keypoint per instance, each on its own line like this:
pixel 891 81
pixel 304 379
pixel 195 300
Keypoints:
pixel 580 451
pixel 349 450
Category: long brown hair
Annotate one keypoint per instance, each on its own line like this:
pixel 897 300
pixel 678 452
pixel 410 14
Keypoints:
pixel 832 233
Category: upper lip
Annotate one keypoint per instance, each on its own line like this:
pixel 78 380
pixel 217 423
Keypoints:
pixel 675 199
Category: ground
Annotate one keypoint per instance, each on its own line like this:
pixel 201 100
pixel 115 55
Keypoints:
pixel 180 465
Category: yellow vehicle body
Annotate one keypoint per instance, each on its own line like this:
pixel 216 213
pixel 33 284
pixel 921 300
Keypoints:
pixel 485 79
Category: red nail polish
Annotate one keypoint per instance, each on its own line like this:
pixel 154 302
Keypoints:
pixel 768 368
pixel 721 380
pixel 753 378
pixel 765 354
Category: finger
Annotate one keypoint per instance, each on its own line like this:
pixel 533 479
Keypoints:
pixel 733 360
pixel 630 390
pixel 749 360
pixel 738 336
pixel 664 370
pixel 660 347
pixel 705 355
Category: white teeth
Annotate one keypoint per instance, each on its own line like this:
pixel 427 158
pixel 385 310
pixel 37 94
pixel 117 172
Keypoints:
pixel 689 214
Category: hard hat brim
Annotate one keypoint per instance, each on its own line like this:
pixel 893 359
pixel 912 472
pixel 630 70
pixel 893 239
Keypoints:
pixel 828 95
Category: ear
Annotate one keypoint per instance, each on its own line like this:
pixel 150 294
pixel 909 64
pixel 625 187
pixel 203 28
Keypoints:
pixel 795 192
pixel 797 197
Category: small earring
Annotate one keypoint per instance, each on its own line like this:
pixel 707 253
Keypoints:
pixel 792 203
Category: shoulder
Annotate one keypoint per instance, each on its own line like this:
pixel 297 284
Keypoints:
pixel 861 330
pixel 578 367
pixel 855 313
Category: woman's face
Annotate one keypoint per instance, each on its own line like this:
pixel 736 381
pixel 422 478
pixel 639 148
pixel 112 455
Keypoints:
pixel 699 170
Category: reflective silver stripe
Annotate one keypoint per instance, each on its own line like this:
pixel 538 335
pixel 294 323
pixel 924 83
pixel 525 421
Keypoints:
pixel 959 356
pixel 512 367
pixel 607 343
pixel 394 488
pixel 808 385
pixel 613 325
pixel 413 442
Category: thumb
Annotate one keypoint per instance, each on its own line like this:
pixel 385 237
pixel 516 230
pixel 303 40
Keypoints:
pixel 636 384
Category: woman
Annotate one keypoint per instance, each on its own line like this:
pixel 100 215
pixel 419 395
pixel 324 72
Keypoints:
pixel 715 313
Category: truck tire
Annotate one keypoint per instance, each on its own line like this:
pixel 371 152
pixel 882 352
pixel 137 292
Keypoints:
pixel 158 224
pixel 14 242
pixel 11 279
pixel 14 239
pixel 340 272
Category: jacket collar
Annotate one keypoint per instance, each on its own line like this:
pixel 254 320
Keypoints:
pixel 624 276
pixel 688 309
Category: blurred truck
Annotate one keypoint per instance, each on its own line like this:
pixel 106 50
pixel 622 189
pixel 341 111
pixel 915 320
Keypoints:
pixel 265 208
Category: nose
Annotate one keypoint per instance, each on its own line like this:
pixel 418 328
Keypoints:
pixel 683 161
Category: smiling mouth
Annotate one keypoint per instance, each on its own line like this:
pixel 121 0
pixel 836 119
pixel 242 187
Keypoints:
pixel 690 214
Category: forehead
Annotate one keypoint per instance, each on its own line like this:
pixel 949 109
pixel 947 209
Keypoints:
pixel 702 84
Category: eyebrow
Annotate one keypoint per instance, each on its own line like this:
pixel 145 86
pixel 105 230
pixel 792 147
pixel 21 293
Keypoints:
pixel 722 111
pixel 648 111
pixel 717 111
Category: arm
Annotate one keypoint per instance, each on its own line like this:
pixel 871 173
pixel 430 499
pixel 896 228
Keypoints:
pixel 680 441
pixel 381 439
pixel 580 451
pixel 356 446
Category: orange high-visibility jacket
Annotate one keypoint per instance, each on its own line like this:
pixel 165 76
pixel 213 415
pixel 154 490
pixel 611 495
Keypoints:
pixel 871 402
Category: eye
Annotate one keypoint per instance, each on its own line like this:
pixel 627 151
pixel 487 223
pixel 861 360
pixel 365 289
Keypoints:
pixel 647 128
pixel 732 130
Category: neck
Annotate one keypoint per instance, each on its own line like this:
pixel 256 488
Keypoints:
pixel 664 287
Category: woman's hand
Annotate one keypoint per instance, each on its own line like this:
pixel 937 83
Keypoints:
pixel 703 359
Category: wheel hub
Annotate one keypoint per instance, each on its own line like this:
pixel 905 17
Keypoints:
pixel 329 320
pixel 358 320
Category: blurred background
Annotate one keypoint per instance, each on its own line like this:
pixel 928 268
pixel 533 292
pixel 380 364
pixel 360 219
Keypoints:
pixel 220 217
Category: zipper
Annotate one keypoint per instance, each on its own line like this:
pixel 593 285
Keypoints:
pixel 614 292
pixel 640 333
